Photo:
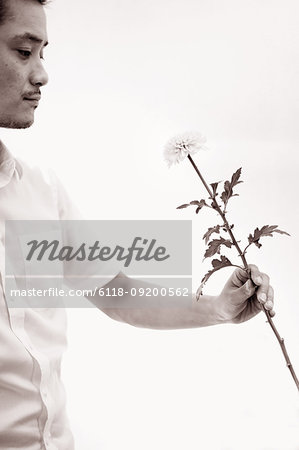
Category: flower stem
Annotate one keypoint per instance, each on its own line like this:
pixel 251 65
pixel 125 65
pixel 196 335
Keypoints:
pixel 246 268
pixel 201 177
pixel 283 347
pixel 221 213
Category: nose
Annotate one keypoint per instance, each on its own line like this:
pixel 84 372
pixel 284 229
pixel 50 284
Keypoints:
pixel 38 75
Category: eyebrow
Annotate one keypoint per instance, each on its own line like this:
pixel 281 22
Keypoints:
pixel 30 37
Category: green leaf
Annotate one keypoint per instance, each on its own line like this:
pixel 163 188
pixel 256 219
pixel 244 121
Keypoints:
pixel 185 205
pixel 215 246
pixel 229 186
pixel 200 204
pixel 223 262
pixel 266 230
pixel 214 187
pixel 217 264
pixel 210 231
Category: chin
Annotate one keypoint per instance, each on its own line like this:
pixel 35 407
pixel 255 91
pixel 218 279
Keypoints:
pixel 22 125
pixel 16 123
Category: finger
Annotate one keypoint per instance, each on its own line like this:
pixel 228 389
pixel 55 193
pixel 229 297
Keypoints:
pixel 263 290
pixel 271 294
pixel 261 280
pixel 255 274
pixel 270 311
pixel 270 297
pixel 268 305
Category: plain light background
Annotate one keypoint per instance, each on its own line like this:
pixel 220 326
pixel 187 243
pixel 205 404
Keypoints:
pixel 125 76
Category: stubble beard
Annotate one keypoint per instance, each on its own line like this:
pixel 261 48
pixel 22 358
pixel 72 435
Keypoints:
pixel 15 124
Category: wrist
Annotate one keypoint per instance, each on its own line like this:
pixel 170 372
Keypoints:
pixel 221 314
pixel 210 307
pixel 223 310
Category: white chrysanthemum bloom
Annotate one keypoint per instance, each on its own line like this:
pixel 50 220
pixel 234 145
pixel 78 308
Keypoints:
pixel 178 147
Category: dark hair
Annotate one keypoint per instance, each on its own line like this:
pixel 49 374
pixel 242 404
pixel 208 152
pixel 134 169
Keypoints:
pixel 4 7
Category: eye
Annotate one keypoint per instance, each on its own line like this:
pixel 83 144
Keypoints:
pixel 24 53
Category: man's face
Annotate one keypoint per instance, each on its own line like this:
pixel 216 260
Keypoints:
pixel 23 36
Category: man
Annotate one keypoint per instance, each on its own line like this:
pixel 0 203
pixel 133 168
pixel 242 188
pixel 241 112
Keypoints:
pixel 32 341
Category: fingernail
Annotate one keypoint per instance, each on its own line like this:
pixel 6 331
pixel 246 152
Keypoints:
pixel 269 304
pixel 262 297
pixel 259 280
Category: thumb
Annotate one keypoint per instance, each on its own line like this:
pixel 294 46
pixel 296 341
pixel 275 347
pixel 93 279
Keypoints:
pixel 239 277
pixel 244 292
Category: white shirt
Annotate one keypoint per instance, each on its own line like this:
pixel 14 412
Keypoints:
pixel 32 341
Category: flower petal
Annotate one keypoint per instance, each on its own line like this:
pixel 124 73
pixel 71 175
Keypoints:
pixel 182 145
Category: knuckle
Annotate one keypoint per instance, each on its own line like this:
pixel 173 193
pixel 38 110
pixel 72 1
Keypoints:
pixel 248 289
pixel 269 304
pixel 271 293
pixel 266 278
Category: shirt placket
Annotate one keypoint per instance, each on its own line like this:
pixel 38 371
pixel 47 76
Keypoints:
pixel 17 322
pixel 17 316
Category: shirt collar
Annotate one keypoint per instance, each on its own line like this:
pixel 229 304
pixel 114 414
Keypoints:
pixel 8 166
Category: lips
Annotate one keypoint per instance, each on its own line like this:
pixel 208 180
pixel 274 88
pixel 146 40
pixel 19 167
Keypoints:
pixel 32 99
pixel 32 96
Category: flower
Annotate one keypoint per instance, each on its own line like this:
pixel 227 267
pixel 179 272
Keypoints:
pixel 178 147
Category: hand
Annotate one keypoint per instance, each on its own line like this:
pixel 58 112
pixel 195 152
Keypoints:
pixel 242 297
